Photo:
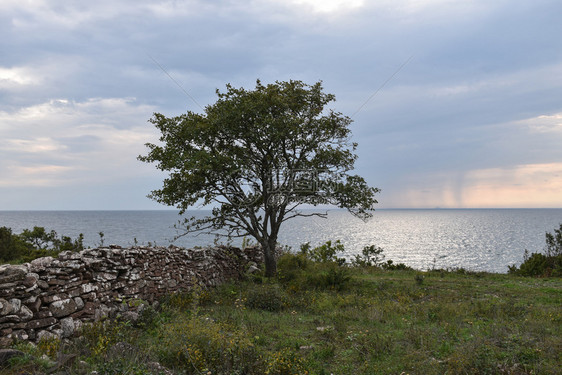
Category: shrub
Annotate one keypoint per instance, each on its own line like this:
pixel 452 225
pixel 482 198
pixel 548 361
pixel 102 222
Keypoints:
pixel 11 246
pixel 35 243
pixel 285 362
pixel 390 266
pixel 554 243
pixel 49 346
pixel 267 297
pixel 319 267
pixel 290 266
pixel 371 256
pixel 181 301
pixel 328 276
pixel 101 335
pixel 324 253
pixel 199 344
pixel 539 264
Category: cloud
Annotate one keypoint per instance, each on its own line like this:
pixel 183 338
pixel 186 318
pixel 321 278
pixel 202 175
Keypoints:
pixel 17 76
pixel 65 142
pixel 326 6
pixel 480 93
pixel 544 123
pixel 531 185
pixel 521 186
pixel 17 176
pixel 37 145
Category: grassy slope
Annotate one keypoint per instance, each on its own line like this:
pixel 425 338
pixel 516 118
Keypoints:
pixel 382 322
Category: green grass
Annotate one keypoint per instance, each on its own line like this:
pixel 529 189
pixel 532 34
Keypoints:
pixel 378 322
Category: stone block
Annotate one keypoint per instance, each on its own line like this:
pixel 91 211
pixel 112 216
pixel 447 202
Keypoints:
pixel 56 281
pixel 46 335
pixel 16 305
pixel 5 307
pixel 54 297
pixel 10 319
pixel 63 308
pixel 10 273
pixel 25 313
pixel 20 335
pixel 39 264
pixel 30 279
pixel 79 303
pixel 43 313
pixel 87 288
pixel 67 327
pixel 74 292
pixel 41 323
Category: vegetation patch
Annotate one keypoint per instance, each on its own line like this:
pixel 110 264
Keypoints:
pixel 381 321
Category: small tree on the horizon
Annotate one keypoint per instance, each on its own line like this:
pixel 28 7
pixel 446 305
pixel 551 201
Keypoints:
pixel 257 155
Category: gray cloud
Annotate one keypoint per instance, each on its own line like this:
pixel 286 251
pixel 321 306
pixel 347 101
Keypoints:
pixel 481 92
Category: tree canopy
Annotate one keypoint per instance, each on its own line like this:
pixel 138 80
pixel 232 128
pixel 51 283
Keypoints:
pixel 256 156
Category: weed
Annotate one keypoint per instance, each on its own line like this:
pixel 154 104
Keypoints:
pixel 49 346
pixel 200 344
pixel 100 336
pixel 266 297
pixel 285 362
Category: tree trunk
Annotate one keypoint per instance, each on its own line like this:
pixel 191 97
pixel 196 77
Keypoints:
pixel 269 258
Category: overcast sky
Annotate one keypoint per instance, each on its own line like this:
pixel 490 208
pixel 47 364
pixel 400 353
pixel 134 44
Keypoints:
pixel 473 119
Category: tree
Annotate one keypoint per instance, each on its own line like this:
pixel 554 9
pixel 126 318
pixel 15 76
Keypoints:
pixel 35 243
pixel 256 156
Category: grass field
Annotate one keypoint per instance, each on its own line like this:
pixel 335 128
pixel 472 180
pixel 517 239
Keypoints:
pixel 364 320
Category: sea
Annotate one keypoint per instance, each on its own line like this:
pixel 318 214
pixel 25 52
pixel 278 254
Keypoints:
pixel 474 239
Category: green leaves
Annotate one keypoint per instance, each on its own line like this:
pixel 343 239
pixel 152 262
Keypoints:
pixel 259 154
pixel 35 243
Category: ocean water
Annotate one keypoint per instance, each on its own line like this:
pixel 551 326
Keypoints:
pixel 475 239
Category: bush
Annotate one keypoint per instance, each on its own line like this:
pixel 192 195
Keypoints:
pixel 543 265
pixel 285 362
pixel 554 243
pixel 200 344
pixel 324 253
pixel 35 243
pixel 327 276
pixel 371 256
pixel 314 268
pixel 101 335
pixel 11 246
pixel 290 266
pixel 267 297
pixel 390 266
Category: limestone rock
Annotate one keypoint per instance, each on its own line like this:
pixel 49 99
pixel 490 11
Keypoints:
pixel 40 264
pixel 5 307
pixel 12 273
pixel 30 279
pixel 67 326
pixel 51 297
pixel 25 313
pixel 63 308
pixel 16 305
pixel 41 323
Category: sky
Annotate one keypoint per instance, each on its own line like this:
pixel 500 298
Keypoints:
pixel 466 112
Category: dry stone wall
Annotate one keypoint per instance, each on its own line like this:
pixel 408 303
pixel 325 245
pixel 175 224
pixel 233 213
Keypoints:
pixel 55 296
